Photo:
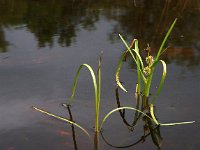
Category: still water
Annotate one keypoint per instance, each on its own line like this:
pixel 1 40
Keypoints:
pixel 42 43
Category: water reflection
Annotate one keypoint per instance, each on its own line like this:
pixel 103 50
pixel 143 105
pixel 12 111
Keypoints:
pixel 149 128
pixel 44 76
pixel 3 42
pixel 154 132
pixel 48 19
pixel 59 21
pixel 73 129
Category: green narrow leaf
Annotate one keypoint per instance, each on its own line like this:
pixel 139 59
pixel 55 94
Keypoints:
pixel 161 81
pixel 118 71
pixel 138 72
pixel 152 114
pixel 138 63
pixel 76 79
pixel 136 50
pixel 96 90
pixel 165 39
pixel 120 108
pixel 166 124
pixel 97 101
pixel 148 84
pixel 63 119
pixel 177 123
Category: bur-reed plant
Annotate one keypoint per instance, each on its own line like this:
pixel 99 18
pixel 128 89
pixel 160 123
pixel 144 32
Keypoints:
pixel 145 75
pixel 144 79
pixel 97 93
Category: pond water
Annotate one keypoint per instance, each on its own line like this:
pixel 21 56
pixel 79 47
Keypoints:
pixel 42 43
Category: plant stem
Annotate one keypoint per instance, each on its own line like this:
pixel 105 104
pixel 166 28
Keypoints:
pixel 138 67
pixel 96 140
pixel 148 84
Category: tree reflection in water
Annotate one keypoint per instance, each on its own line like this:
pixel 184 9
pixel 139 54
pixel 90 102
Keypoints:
pixel 59 21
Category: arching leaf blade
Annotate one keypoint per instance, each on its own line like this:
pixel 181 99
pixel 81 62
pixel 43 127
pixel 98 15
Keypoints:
pixel 76 79
pixel 61 118
pixel 161 81
pixel 117 73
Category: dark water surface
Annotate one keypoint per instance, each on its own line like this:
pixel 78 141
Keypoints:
pixel 42 43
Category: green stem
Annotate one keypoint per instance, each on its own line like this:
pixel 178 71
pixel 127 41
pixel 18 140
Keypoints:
pixel 138 67
pixel 98 96
pixel 148 84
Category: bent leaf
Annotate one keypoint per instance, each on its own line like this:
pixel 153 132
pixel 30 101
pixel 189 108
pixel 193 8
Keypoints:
pixel 76 79
pixel 161 81
pixel 118 71
pixel 138 59
pixel 61 118
pixel 128 48
pixel 166 124
pixel 120 108
pixel 152 114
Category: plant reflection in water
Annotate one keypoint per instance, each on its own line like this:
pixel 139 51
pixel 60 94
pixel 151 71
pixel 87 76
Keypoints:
pixel 144 109
pixel 73 129
pixel 149 126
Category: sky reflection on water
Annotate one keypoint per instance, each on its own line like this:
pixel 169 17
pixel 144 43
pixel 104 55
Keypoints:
pixel 42 43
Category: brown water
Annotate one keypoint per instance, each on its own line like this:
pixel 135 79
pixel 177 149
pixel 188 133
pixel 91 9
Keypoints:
pixel 42 43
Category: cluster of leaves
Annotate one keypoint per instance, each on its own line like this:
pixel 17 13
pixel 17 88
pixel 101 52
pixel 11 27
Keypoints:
pixel 144 78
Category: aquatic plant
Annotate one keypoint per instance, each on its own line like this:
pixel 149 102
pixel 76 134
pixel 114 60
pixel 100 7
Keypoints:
pixel 144 79
pixel 145 74
pixel 61 118
pixel 97 93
